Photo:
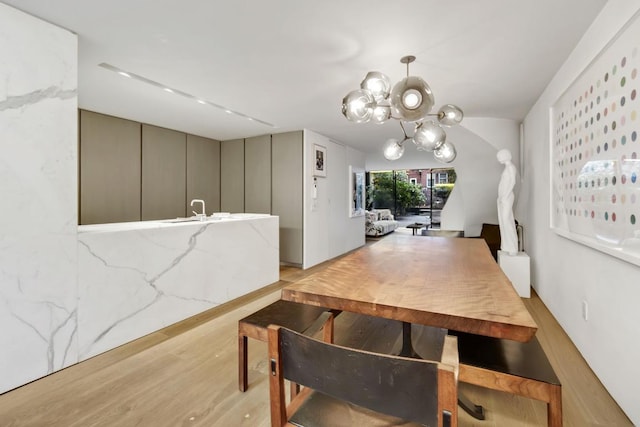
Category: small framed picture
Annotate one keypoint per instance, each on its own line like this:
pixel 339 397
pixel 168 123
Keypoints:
pixel 356 192
pixel 319 161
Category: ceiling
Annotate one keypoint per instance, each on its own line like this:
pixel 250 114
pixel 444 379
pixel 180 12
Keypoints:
pixel 290 62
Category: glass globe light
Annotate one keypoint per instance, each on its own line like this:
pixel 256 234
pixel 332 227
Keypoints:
pixel 381 113
pixel 446 153
pixel 378 84
pixel 411 99
pixel 450 115
pixel 429 136
pixel 392 149
pixel 358 105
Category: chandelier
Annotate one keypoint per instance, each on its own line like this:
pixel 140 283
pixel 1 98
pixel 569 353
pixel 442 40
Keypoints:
pixel 410 100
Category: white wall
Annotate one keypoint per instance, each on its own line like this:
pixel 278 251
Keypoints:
pixel 477 141
pixel 38 189
pixel 564 272
pixel 328 229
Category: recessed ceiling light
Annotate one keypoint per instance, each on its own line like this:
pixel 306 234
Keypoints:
pixel 178 92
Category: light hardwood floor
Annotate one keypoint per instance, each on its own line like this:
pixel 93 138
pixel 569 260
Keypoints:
pixel 186 375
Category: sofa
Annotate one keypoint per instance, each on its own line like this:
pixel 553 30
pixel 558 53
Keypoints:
pixel 379 222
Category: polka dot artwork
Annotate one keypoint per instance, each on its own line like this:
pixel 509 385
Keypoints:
pixel 595 165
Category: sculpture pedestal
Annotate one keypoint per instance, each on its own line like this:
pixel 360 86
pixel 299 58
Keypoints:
pixel 517 269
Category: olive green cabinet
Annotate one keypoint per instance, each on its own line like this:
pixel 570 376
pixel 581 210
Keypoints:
pixel 232 175
pixel 110 154
pixel 287 193
pixel 131 171
pixel 164 174
pixel 257 174
pixel 203 172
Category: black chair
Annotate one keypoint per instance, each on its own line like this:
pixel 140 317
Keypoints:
pixel 344 386
pixel 491 234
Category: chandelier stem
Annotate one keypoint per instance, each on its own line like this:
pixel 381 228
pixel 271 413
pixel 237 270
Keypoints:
pixel 403 131
pixel 407 60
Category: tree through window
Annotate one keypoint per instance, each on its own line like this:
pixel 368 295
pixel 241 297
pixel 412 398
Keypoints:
pixel 411 192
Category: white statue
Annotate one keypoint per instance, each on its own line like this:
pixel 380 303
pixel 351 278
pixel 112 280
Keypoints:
pixel 508 234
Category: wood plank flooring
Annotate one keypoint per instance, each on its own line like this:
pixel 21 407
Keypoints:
pixel 186 375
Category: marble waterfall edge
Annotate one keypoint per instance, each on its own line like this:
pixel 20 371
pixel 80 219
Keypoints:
pixel 134 282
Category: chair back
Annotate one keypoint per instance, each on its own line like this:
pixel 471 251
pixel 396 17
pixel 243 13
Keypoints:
pixel 491 234
pixel 411 389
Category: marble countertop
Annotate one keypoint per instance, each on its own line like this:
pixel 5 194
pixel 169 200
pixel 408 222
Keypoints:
pixel 167 223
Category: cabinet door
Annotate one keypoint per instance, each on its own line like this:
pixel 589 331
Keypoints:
pixel 203 172
pixel 232 175
pixel 163 173
pixel 109 169
pixel 257 174
pixel 286 193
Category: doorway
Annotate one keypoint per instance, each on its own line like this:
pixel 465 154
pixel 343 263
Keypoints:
pixel 413 195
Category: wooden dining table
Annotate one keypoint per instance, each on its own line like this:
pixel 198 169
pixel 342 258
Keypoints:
pixel 444 282
pixel 451 283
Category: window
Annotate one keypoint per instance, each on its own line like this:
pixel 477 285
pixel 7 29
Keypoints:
pixel 396 190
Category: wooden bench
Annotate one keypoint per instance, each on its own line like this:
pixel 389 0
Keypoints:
pixel 351 330
pixel 512 367
pixel 291 315
pixel 503 365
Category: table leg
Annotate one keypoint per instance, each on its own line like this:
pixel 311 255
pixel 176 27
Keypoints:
pixel 476 411
pixel 407 345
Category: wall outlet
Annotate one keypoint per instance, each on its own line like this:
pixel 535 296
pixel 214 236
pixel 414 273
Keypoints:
pixel 585 310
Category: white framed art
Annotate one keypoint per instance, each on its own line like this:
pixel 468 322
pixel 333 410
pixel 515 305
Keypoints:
pixel 319 160
pixel 595 151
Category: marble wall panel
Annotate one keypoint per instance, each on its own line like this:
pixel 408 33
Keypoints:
pixel 38 189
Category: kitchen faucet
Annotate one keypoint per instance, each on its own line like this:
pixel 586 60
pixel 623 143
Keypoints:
pixel 202 215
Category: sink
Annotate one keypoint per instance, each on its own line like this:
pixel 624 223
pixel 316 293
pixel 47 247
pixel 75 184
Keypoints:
pixel 190 219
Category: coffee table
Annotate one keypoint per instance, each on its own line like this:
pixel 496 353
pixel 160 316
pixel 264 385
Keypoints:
pixel 415 227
